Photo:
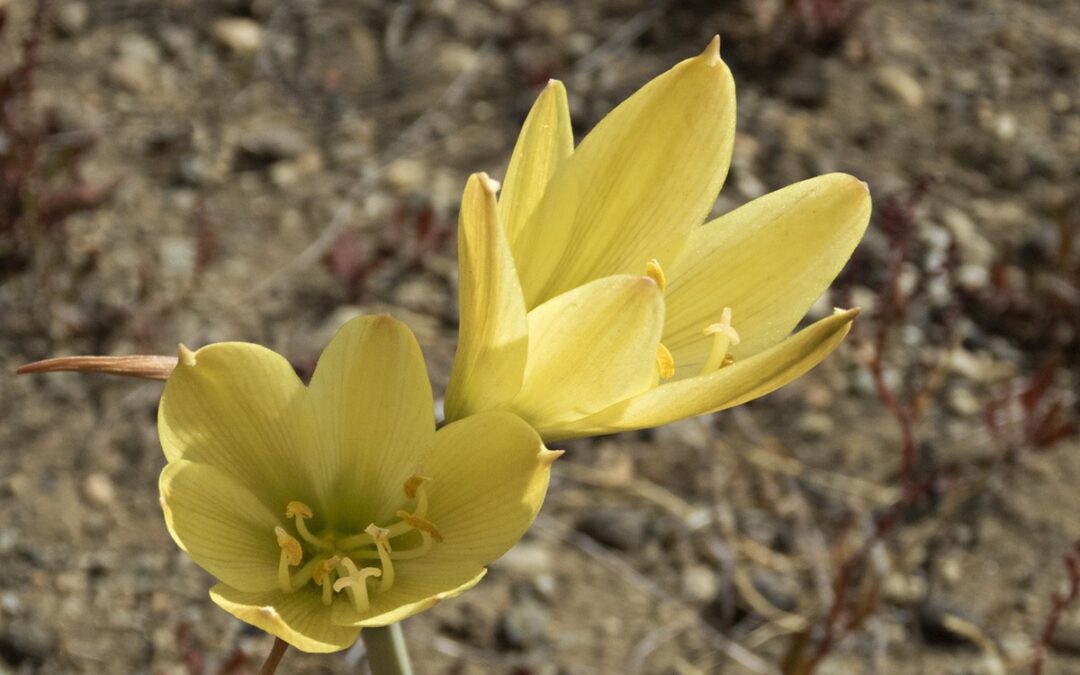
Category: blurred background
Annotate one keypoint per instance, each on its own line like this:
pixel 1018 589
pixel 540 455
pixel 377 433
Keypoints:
pixel 262 170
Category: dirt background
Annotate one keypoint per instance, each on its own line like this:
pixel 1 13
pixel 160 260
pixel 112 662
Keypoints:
pixel 259 170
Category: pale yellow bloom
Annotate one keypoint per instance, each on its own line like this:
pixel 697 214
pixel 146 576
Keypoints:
pixel 592 298
pixel 327 508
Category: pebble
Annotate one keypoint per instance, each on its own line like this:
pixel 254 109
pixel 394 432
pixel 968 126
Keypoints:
pixel 238 34
pixel 616 527
pixel 900 85
pixel 700 584
pixel 71 18
pixel 963 401
pixel 269 143
pixel 527 559
pixel 98 489
pixel 524 625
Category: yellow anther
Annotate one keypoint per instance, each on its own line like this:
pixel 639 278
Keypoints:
pixel 414 483
pixel 291 554
pixel 665 362
pixel 298 509
pixel 724 337
pixel 381 537
pixel 656 273
pixel 302 512
pixel 290 547
pixel 414 489
pixel 355 580
pixel 420 523
pixel 321 575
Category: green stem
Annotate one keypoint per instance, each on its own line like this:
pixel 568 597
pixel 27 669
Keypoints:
pixel 386 652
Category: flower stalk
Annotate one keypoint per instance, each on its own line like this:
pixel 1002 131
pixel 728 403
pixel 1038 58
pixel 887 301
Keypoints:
pixel 386 651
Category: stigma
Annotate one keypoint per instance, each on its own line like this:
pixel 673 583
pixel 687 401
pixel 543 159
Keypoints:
pixel 724 337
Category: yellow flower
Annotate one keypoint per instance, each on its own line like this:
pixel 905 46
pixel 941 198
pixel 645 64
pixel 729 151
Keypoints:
pixel 327 508
pixel 593 300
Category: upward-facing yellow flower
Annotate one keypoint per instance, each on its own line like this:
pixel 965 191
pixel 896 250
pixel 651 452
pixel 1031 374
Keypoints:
pixel 592 300
pixel 327 508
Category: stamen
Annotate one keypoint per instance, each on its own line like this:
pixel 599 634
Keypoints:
pixel 382 544
pixel 302 512
pixel 414 489
pixel 356 581
pixel 724 337
pixel 420 523
pixel 656 273
pixel 291 555
pixel 665 362
pixel 321 575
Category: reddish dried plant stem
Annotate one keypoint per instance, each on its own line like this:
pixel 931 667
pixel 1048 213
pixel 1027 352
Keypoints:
pixel 274 657
pixel 147 367
pixel 1059 602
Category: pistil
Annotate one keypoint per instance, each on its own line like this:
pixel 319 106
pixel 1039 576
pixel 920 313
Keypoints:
pixel 724 337
pixel 356 581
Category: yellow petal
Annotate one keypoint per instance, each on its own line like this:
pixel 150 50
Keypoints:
pixel 768 261
pixel 221 525
pixel 298 618
pixel 589 348
pixel 493 339
pixel 241 408
pixel 546 139
pixel 372 402
pixel 730 386
pixel 489 474
pixel 636 185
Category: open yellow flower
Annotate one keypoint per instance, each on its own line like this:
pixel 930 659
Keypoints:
pixel 327 508
pixel 593 300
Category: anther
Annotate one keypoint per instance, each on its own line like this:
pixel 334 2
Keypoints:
pixel 665 362
pixel 291 555
pixel 724 337
pixel 302 512
pixel 381 538
pixel 356 581
pixel 656 273
pixel 414 489
pixel 420 523
pixel 321 576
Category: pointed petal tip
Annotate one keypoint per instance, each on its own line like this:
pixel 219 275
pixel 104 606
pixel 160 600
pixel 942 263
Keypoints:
pixel 712 52
pixel 849 313
pixel 186 356
pixel 554 85
pixel 488 183
pixel 548 457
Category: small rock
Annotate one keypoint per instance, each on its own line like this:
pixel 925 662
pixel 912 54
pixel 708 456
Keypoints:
pixel 700 584
pixel 98 488
pixel 616 527
pixel 527 559
pixel 71 18
pixel 936 617
pixel 177 256
pixel 900 85
pixel 10 603
pixel 25 642
pixel 138 47
pixel 238 34
pixel 817 424
pixel 963 401
pixel 264 145
pixel 525 624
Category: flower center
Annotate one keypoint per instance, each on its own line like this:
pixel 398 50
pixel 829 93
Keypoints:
pixel 332 558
